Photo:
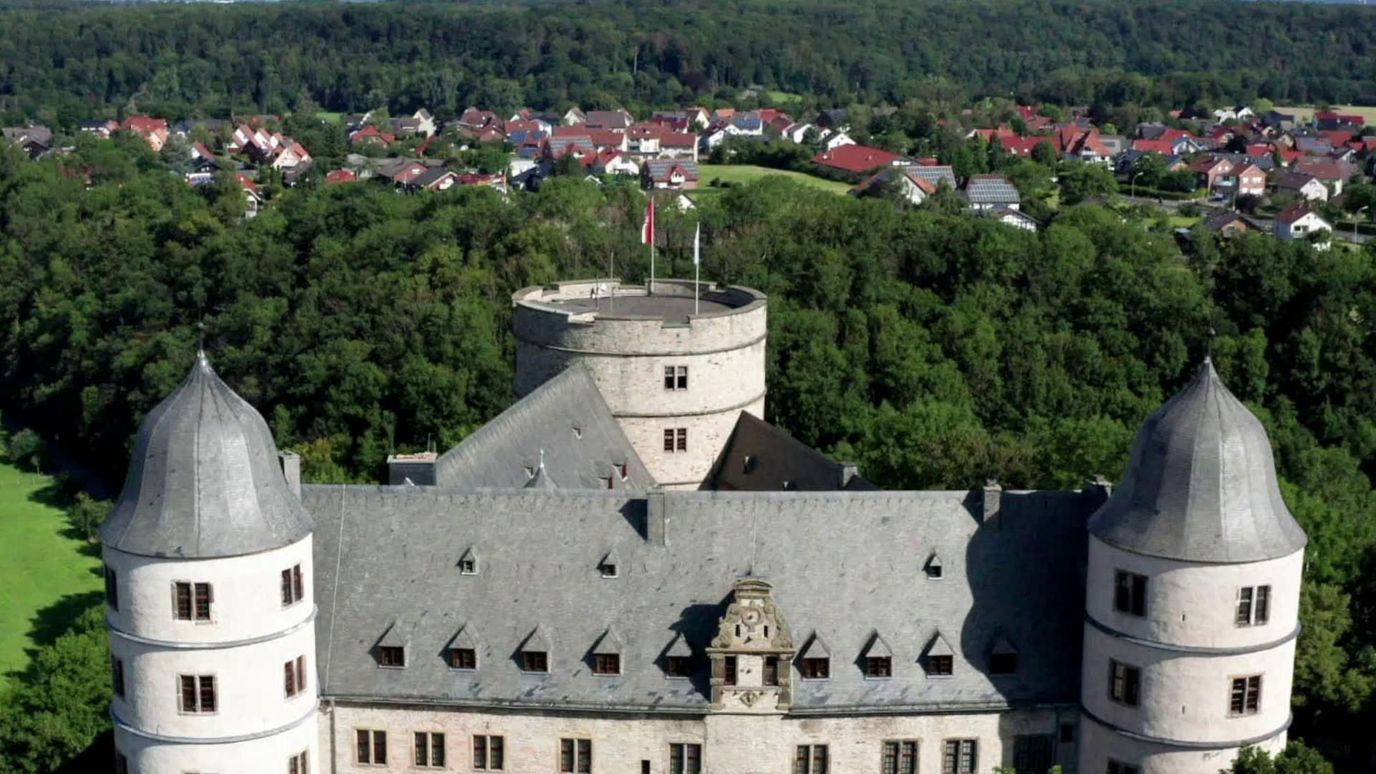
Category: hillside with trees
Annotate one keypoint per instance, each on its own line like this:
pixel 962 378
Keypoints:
pixel 68 63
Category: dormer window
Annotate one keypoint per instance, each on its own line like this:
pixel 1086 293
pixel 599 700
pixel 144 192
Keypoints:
pixel 391 656
pixel 1003 660
pixel 468 563
pixel 877 658
pixel 463 658
pixel 534 661
pixel 608 570
pixel 933 567
pixel 939 659
pixel 606 663
pixel 608 566
pixel 678 659
pixel 814 660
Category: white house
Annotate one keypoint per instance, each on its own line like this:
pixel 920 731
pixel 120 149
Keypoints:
pixel 1300 221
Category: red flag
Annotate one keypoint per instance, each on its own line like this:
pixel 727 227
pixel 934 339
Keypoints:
pixel 647 231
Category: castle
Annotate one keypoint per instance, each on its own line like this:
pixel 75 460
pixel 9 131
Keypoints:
pixel 629 571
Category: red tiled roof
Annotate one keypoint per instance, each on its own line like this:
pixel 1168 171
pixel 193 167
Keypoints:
pixel 856 158
pixel 1164 147
pixel 1294 212
pixel 341 176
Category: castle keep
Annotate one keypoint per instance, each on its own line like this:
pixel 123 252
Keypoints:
pixel 630 571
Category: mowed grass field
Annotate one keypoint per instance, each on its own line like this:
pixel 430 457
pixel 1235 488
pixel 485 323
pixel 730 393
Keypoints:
pixel 1307 113
pixel 746 173
pixel 43 569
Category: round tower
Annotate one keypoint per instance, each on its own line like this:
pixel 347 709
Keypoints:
pixel 676 372
pixel 208 585
pixel 1192 601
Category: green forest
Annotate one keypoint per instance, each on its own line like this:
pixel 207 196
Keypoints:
pixel 68 63
pixel 935 349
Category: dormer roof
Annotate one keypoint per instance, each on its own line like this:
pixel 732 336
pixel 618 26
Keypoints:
pixel 1201 484
pixel 608 643
pixel 877 648
pixel 535 642
pixel 204 480
pixel 938 646
pixel 816 647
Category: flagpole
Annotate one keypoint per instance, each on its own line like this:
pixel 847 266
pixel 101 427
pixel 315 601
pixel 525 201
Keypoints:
pixel 697 268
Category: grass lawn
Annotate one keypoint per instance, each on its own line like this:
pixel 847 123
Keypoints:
pixel 1181 221
pixel 746 173
pixel 47 577
pixel 333 118
pixel 1307 113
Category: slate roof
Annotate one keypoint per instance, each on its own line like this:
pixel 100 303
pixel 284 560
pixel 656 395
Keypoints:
pixel 760 457
pixel 568 420
pixel 204 480
pixel 844 566
pixel 1201 484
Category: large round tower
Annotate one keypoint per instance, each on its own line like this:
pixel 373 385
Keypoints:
pixel 1192 603
pixel 208 582
pixel 675 373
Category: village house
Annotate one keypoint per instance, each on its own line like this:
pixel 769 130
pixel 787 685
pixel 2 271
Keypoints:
pixel 1248 180
pixel 670 174
pixel 35 139
pixel 1298 184
pixel 153 130
pixel 1300 221
pixel 858 159
pixel 1227 223
pixel 903 181
pixel 986 192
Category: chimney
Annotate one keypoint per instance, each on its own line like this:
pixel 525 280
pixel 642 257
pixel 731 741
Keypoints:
pixel 656 518
pixel 414 469
pixel 291 470
pixel 992 502
pixel 848 472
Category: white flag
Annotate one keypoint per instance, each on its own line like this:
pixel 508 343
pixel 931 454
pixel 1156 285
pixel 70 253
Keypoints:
pixel 697 246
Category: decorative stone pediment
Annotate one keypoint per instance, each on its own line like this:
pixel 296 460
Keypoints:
pixel 753 622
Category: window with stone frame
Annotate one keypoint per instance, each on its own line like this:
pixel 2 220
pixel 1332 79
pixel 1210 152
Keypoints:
pixel 676 439
pixel 293 586
pixel 900 757
pixel 1244 697
pixel 728 670
pixel 814 668
pixel 370 747
pixel 299 764
pixel 191 601
pixel 959 756
pixel 534 661
pixel 1253 606
pixel 685 758
pixel 196 693
pixel 1130 593
pixel 878 666
pixel 940 665
pixel 1124 683
pixel 606 663
pixel 675 377
pixel 489 752
pixel 294 676
pixel 429 749
pixel 771 670
pixel 575 756
pixel 811 759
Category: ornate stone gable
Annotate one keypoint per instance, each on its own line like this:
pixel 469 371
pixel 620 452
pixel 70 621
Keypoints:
pixel 752 654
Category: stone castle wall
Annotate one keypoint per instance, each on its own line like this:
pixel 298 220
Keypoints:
pixel 627 351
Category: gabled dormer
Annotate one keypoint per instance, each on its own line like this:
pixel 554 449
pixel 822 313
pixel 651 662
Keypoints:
pixel 533 655
pixel 1003 657
pixel 462 651
pixel 939 658
pixel 468 562
pixel 390 649
pixel 605 655
pixel 678 657
pixel 752 654
pixel 876 660
pixel 814 660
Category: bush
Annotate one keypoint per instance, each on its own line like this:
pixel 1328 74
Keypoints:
pixel 25 449
pixel 1190 210
pixel 86 514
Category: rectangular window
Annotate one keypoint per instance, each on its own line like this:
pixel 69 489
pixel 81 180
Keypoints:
pixel 811 759
pixel 371 746
pixel 669 440
pixel 682 439
pixel 111 588
pixel 534 661
pixel 676 439
pixel 816 668
pixel 1245 696
pixel 941 666
pixel 1130 593
pixel 293 588
pixel 675 377
pixel 771 670
pixel 191 601
pixel 117 674
pixel 430 749
pixel 685 758
pixel 1033 753
pixel 1118 767
pixel 678 666
pixel 391 656
pixel 488 753
pixel 606 663
pixel 959 756
pixel 197 693
pixel 463 658
pixel 1124 683
pixel 1253 605
pixel 900 757
pixel 878 666
pixel 575 756
pixel 728 670
pixel 294 675
pixel 298 764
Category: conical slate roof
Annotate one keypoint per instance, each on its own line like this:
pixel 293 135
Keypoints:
pixel 1201 485
pixel 204 480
